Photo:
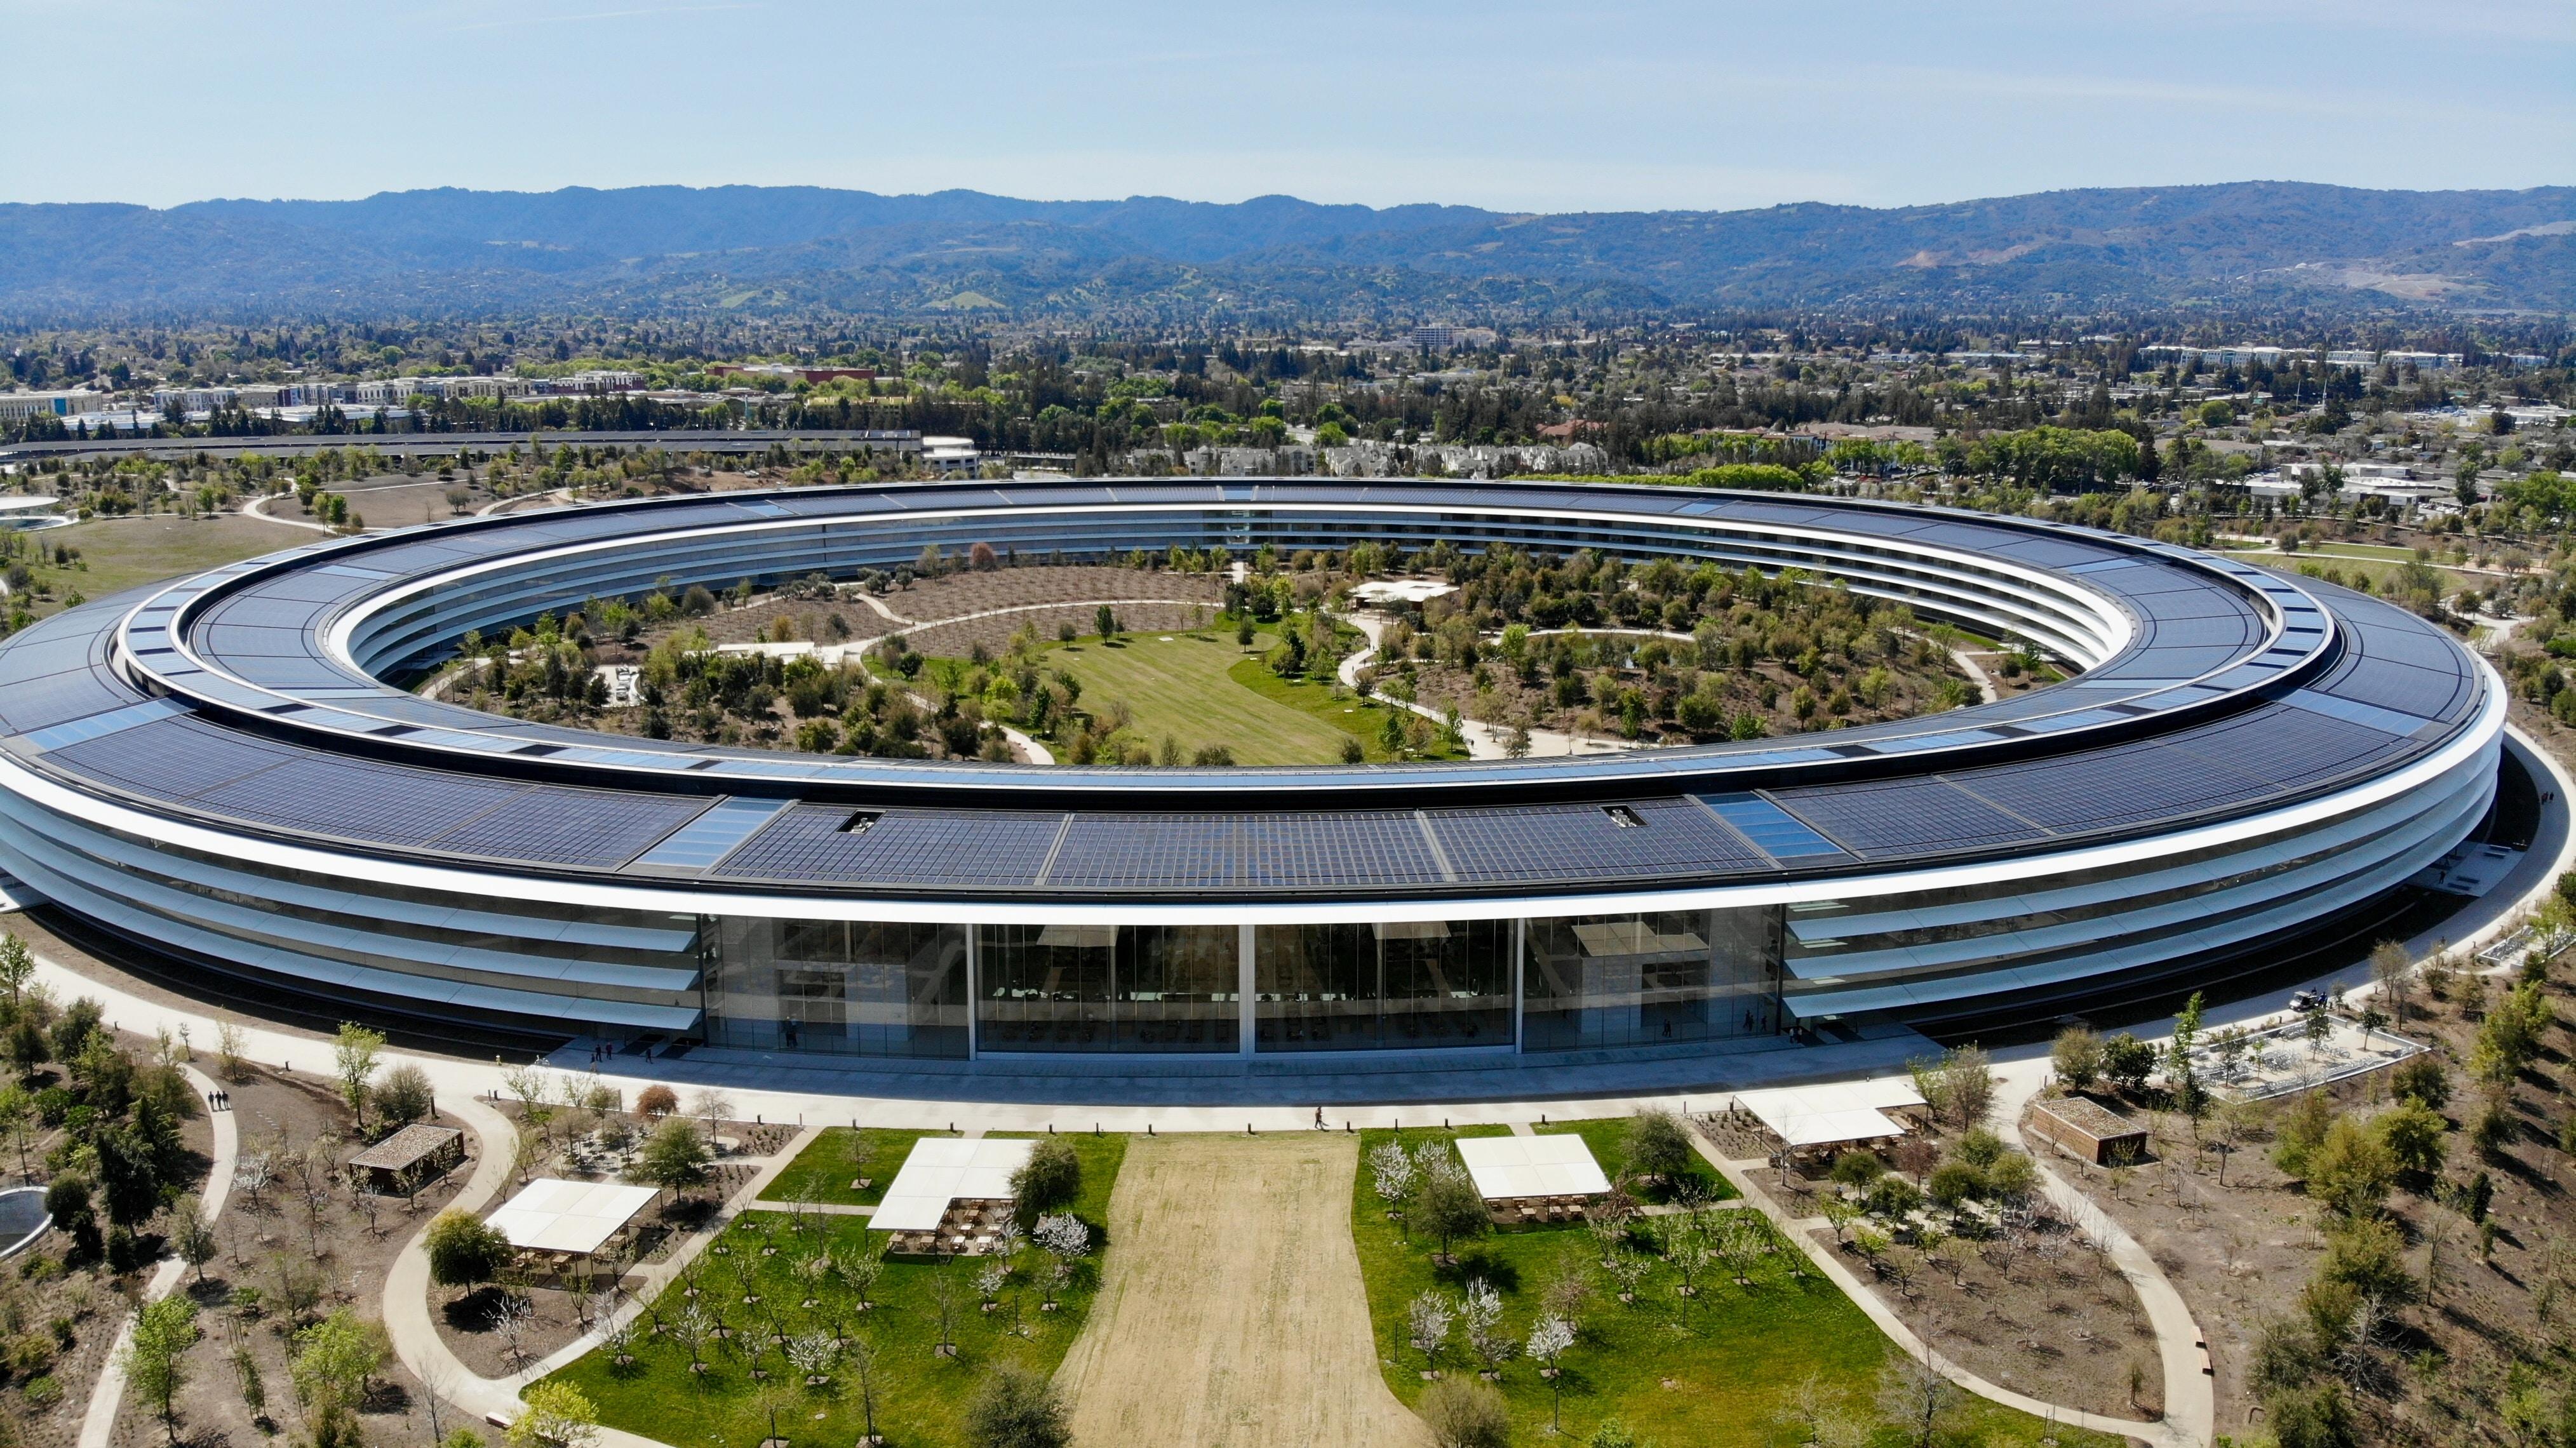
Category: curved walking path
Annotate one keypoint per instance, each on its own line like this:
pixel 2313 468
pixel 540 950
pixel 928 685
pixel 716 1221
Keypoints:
pixel 98 1425
pixel 258 508
pixel 2172 1431
pixel 407 1304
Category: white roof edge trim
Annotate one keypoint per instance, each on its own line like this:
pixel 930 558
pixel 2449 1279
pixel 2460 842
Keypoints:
pixel 2483 735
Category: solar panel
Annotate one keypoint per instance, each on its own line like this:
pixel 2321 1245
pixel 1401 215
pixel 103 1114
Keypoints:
pixel 2402 687
pixel 27 705
pixel 1134 851
pixel 2111 787
pixel 359 800
pixel 1554 842
pixel 571 826
pixel 1905 816
pixel 900 847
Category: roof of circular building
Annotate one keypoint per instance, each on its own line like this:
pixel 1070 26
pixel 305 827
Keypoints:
pixel 236 698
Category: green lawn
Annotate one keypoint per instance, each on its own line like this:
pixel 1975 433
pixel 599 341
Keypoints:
pixel 1608 1138
pixel 1364 719
pixel 840 1156
pixel 1181 688
pixel 124 552
pixel 921 1395
pixel 1712 1371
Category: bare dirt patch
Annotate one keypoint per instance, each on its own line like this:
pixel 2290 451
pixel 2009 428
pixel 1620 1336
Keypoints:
pixel 1242 1322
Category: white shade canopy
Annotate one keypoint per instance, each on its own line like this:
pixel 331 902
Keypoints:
pixel 940 1170
pixel 1531 1166
pixel 554 1215
pixel 1832 1114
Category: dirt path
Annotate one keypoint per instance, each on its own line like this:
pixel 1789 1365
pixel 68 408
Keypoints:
pixel 1241 1322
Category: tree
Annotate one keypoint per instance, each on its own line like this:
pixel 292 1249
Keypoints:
pixel 2510 1038
pixel 192 1236
pixel 353 1057
pixel 17 967
pixel 2393 970
pixel 1016 1408
pixel 1051 1178
pixel 1447 1206
pixel 17 1112
pixel 2077 1057
pixel 463 1250
pixel 2351 1170
pixel 674 1157
pixel 156 1359
pixel 336 1362
pixel 559 1415
pixel 1466 1413
pixel 1104 622
pixel 1658 1145
pixel 1426 1325
pixel 2420 1079
pixel 404 1096
pixel 1483 1313
pixel 2127 1062
pixel 2413 1135
pixel 861 1355
pixel 1549 1337
pixel 67 1202
pixel 656 1100
pixel 2181 1074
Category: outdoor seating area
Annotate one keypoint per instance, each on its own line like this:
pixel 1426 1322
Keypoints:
pixel 1528 1180
pixel 558 1225
pixel 966 1229
pixel 952 1197
pixel 1814 1123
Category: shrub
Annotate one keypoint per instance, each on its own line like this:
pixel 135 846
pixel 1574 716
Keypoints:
pixel 1466 1413
pixel 2413 1135
pixel 2368 1257
pixel 2077 1056
pixel 1979 1148
pixel 2492 1128
pixel 1048 1181
pixel 674 1157
pixel 1954 1182
pixel 404 1095
pixel 2421 1079
pixel 1016 1408
pixel 2300 1128
pixel 2314 1418
pixel 656 1101
pixel 2127 1062
pixel 30 1353
pixel 464 1252
pixel 1893 1197
pixel 2351 1170
pixel 1858 1170
pixel 1658 1144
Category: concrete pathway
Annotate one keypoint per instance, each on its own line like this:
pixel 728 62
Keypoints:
pixel 560 497
pixel 2163 1434
pixel 107 1396
pixel 1484 740
pixel 258 508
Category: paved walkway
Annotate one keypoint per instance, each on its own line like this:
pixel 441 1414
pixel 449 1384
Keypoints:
pixel 2164 1434
pixel 98 1425
pixel 258 508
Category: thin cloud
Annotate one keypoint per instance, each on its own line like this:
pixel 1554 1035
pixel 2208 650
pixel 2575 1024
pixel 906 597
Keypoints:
pixel 524 20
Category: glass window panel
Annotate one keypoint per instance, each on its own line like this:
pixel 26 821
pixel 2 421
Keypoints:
pixel 1405 985
pixel 864 988
pixel 1650 979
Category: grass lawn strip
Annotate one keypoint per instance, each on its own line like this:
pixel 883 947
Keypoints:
pixel 1363 719
pixel 840 1156
pixel 921 1396
pixel 1720 1369
pixel 123 553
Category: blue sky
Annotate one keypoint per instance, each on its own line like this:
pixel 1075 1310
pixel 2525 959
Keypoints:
pixel 1507 105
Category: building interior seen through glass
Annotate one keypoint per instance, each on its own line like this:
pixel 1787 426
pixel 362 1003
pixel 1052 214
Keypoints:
pixel 858 987
pixel 874 989
pixel 1635 980
pixel 1110 988
pixel 1402 984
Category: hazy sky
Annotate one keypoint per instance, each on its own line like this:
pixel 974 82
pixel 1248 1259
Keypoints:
pixel 1508 105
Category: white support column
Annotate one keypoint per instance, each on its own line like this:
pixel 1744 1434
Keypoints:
pixel 974 994
pixel 1246 979
pixel 1520 954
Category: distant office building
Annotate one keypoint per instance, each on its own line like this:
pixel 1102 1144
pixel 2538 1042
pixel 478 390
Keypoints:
pixel 2351 357
pixel 19 406
pixel 2422 361
pixel 951 456
pixel 1437 336
pixel 782 369
pixel 594 382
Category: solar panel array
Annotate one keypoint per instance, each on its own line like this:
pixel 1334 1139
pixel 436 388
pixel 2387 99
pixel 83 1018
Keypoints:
pixel 53 677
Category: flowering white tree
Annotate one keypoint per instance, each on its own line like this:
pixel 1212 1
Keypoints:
pixel 1064 1237
pixel 814 1354
pixel 1483 1314
pixel 1549 1337
pixel 1426 1322
pixel 1391 1172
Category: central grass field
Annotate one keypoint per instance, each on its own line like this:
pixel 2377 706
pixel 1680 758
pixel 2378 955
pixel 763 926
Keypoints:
pixel 1177 685
pixel 124 552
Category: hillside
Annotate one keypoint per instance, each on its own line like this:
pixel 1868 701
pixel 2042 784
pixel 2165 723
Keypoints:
pixel 667 248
